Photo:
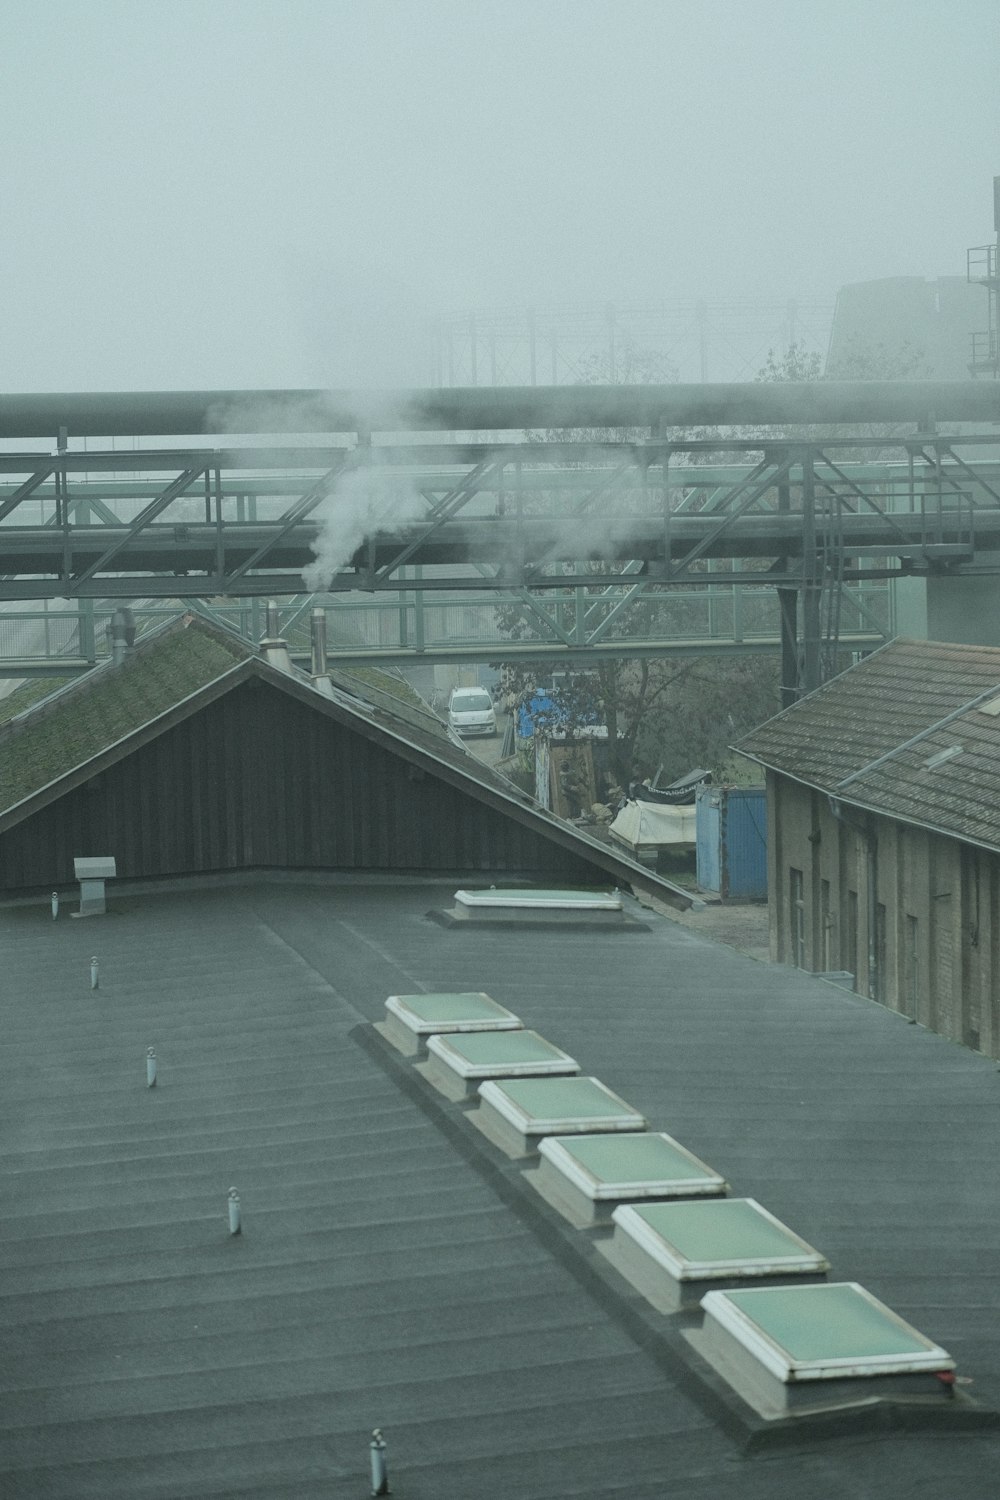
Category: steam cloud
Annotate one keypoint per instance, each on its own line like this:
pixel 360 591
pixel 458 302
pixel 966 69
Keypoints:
pixel 362 502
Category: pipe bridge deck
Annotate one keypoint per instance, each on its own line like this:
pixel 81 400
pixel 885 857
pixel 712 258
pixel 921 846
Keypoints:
pixel 536 516
pixel 573 519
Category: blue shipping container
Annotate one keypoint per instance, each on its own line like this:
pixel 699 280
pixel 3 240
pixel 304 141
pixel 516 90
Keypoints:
pixel 731 848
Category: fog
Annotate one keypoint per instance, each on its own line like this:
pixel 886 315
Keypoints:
pixel 269 193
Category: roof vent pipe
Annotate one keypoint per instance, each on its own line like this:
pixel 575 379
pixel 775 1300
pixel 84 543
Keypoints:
pixel 318 639
pixel 273 648
pixel 122 633
pixel 318 667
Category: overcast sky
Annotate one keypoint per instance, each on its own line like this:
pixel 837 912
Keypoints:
pixel 250 193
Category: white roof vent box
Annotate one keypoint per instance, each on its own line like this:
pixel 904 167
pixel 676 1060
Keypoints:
pixel 92 872
pixel 528 906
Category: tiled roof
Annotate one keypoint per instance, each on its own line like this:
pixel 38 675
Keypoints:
pixel 82 716
pixel 95 711
pixel 26 694
pixel 833 739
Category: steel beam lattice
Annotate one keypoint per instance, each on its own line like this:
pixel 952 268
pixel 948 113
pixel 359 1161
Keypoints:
pixel 575 544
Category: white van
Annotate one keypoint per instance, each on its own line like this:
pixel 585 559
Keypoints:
pixel 470 711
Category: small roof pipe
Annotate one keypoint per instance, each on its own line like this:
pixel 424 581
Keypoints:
pixel 122 633
pixel 318 642
pixel 273 647
pixel 318 664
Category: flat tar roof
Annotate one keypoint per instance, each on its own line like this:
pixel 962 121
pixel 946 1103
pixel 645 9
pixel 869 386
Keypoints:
pixel 381 1278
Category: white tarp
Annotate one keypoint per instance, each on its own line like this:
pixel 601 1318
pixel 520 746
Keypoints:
pixel 652 825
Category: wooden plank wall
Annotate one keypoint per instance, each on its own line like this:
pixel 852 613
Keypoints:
pixel 258 780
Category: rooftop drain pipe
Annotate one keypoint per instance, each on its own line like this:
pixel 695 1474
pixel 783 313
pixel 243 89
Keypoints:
pixel 317 666
pixel 273 648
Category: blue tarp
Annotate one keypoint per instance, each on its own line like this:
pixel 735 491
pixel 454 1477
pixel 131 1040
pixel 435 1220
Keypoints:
pixel 545 712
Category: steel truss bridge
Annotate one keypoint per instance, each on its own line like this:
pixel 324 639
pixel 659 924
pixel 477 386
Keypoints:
pixel 558 521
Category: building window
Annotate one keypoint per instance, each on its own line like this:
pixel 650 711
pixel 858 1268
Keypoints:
pixel 826 922
pixel 851 936
pixel 878 986
pixel 797 913
pixel 911 970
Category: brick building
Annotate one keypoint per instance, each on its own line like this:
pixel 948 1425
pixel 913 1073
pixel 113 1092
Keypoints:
pixel 884 833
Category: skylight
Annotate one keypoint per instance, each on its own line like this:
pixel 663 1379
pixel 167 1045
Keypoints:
pixel 941 756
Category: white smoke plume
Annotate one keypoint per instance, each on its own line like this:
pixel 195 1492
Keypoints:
pixel 362 501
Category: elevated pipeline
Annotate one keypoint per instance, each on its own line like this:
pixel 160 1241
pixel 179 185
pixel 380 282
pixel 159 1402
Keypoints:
pixel 494 408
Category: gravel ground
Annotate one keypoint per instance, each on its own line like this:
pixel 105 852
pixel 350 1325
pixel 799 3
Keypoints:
pixel 744 928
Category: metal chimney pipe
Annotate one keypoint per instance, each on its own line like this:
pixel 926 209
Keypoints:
pixel 122 632
pixel 272 647
pixel 318 642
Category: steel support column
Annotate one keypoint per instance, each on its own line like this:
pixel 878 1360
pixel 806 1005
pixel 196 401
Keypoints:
pixel 788 618
pixel 812 581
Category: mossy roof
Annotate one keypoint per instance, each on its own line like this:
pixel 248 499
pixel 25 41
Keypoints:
pixel 96 711
pixel 27 694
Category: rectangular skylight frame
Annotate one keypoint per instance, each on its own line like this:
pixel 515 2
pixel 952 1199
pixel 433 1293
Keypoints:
pixel 446 1047
pixel 620 1116
pixel 560 1155
pixel 492 1016
pixel 548 900
pixel 730 1316
pixel 804 1260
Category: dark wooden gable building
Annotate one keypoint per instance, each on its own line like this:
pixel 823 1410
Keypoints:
pixel 884 833
pixel 196 755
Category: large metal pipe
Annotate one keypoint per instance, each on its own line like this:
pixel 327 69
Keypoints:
pixel 494 408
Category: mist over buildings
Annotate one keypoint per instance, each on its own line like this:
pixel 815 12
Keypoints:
pixel 254 194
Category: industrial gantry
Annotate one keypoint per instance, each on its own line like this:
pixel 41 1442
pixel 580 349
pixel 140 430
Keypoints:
pixel 599 519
